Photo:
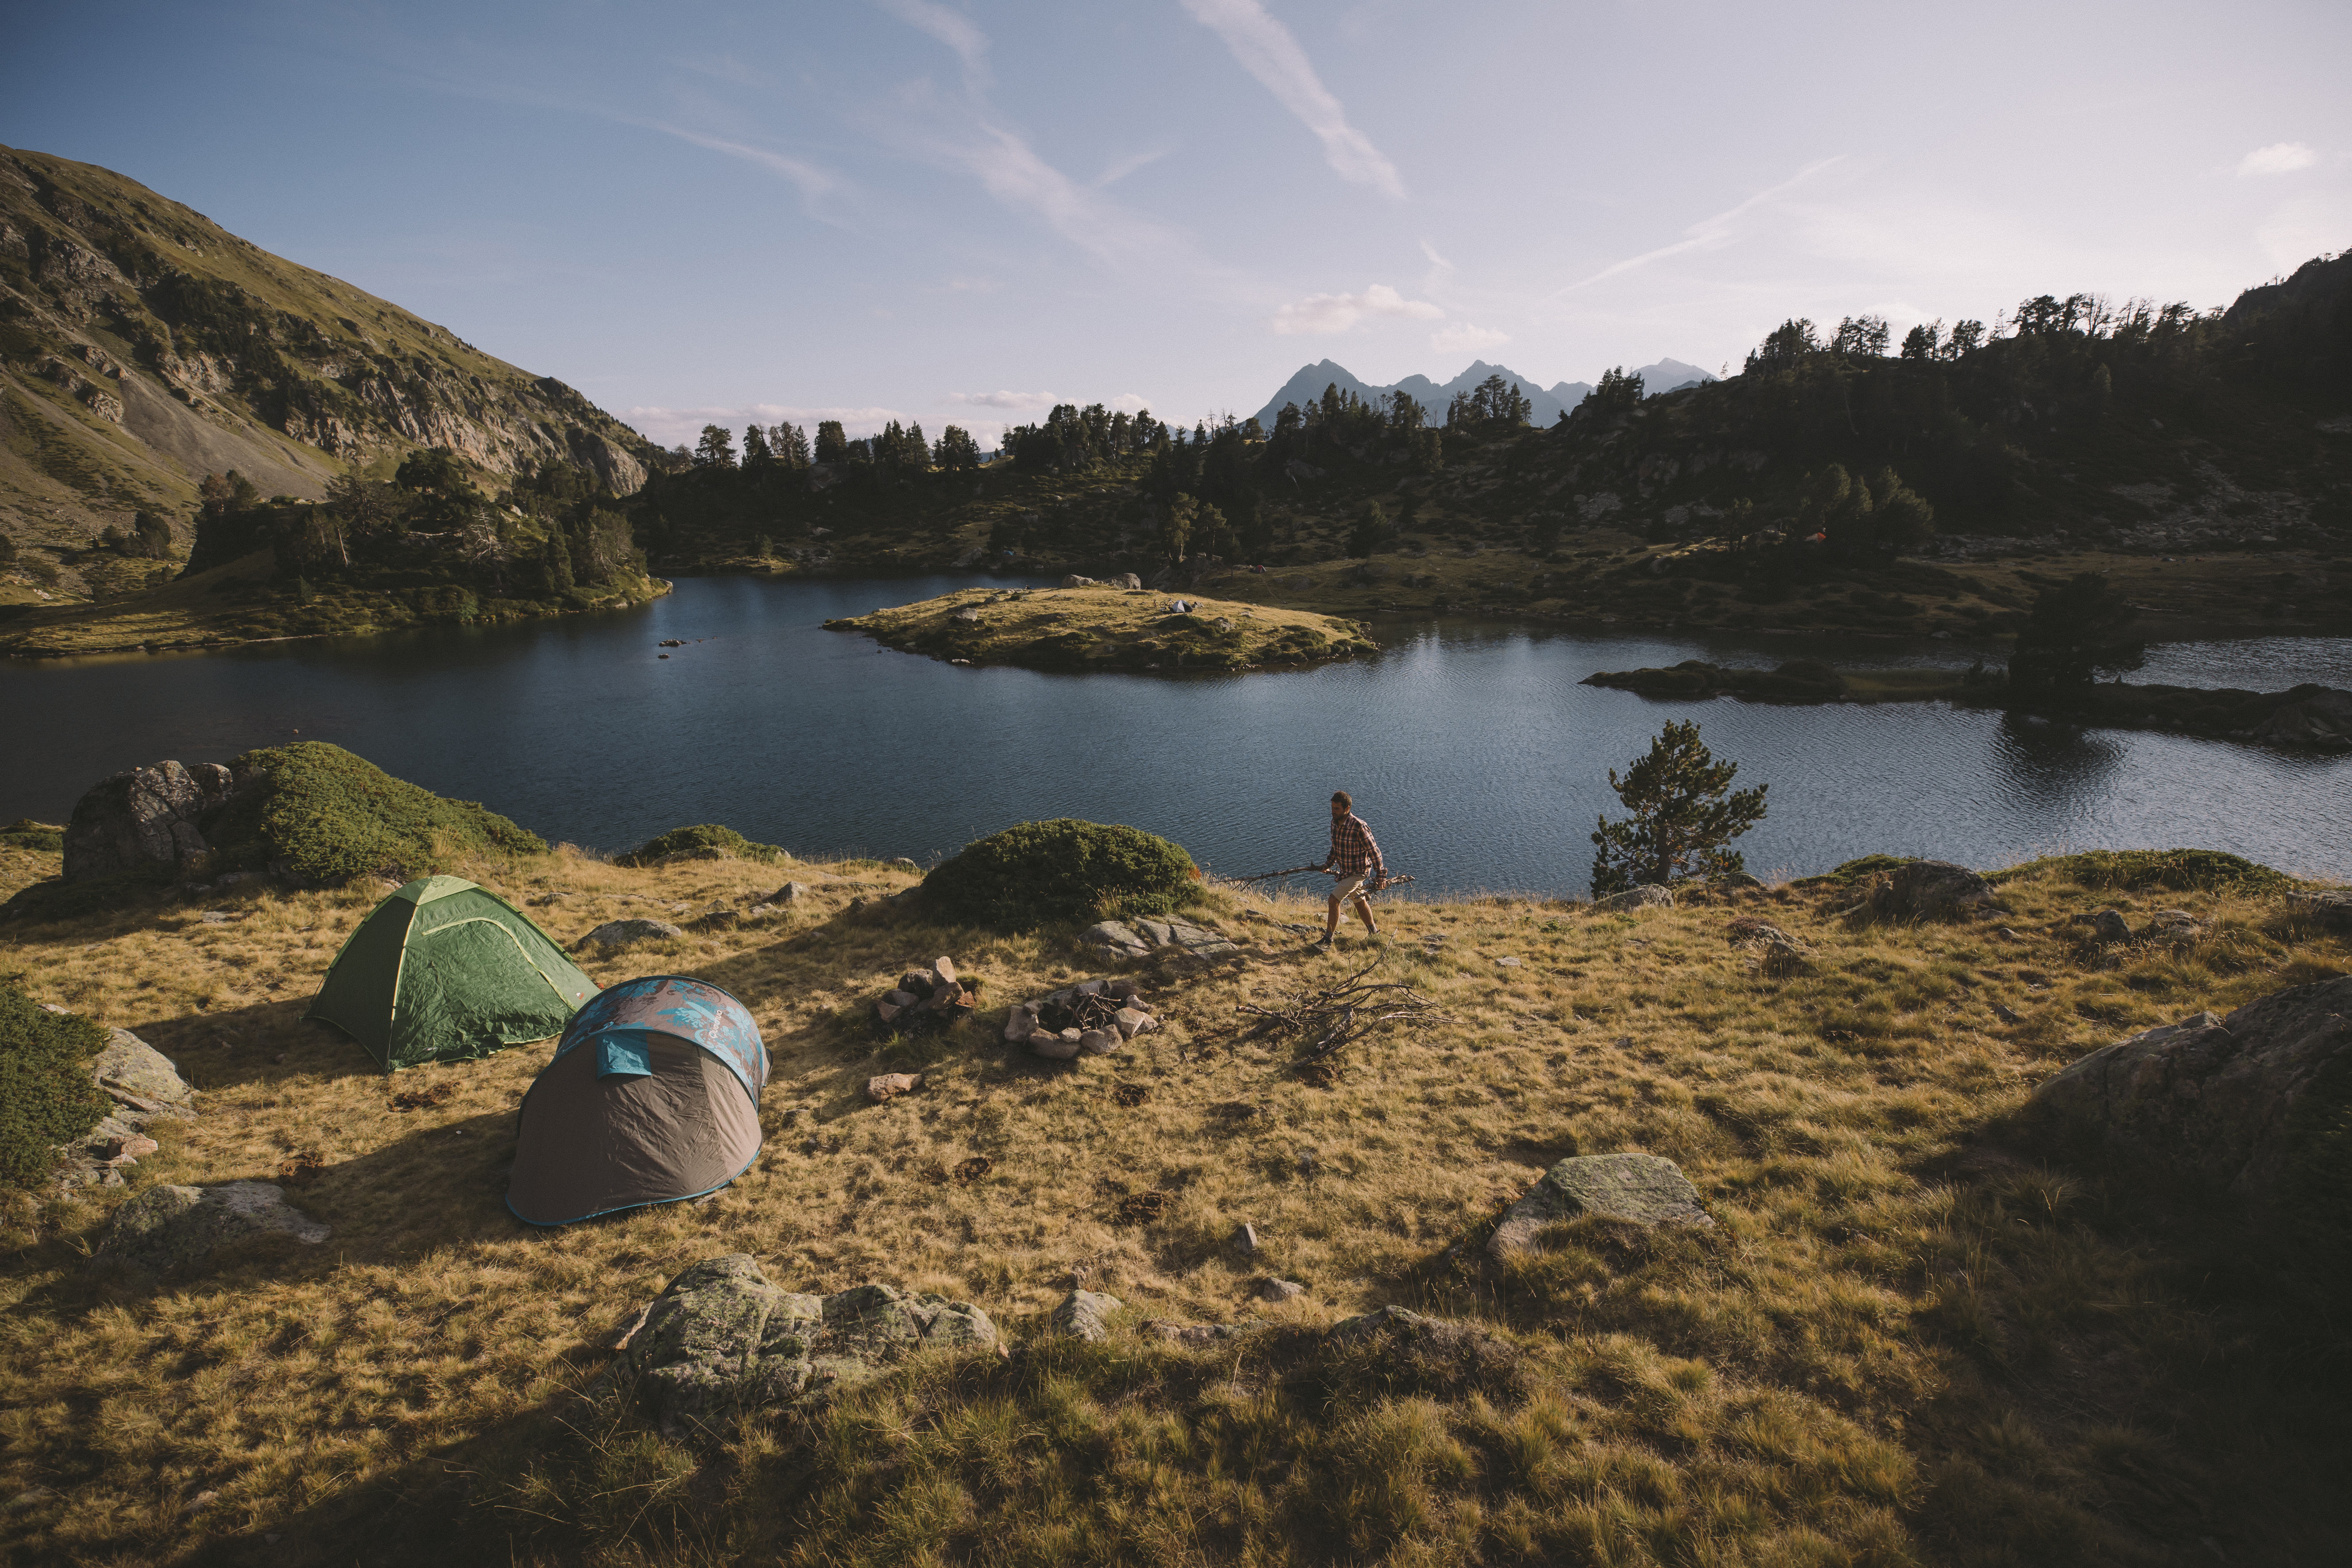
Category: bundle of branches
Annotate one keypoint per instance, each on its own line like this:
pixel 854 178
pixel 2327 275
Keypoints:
pixel 1327 1020
pixel 1391 880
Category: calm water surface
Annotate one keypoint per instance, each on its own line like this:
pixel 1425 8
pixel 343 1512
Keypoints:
pixel 1472 750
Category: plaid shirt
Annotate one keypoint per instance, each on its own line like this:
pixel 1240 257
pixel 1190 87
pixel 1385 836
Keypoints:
pixel 1353 852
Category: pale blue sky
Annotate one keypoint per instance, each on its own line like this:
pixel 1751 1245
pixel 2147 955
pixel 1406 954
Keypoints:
pixel 962 212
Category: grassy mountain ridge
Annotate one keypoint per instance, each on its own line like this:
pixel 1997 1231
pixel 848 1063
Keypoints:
pixel 143 346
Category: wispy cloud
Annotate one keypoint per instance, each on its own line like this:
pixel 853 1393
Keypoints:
pixel 676 425
pixel 1467 338
pixel 1707 234
pixel 1338 312
pixel 1018 402
pixel 2278 158
pixel 1123 167
pixel 950 27
pixel 812 181
pixel 1267 49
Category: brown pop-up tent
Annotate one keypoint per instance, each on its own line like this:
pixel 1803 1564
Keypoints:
pixel 653 1096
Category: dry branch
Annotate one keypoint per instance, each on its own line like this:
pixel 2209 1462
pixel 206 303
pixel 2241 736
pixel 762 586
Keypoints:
pixel 1325 1021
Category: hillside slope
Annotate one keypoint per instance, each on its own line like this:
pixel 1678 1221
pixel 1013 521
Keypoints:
pixel 143 346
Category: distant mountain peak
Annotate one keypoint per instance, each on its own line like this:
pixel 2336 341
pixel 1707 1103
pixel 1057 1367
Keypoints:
pixel 1545 404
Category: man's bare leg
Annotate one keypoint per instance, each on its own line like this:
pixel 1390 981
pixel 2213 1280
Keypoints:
pixel 1364 914
pixel 1331 920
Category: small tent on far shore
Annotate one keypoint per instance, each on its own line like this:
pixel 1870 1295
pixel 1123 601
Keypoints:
pixel 443 970
pixel 652 1097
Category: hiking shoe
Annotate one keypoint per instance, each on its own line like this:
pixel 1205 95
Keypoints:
pixel 1321 944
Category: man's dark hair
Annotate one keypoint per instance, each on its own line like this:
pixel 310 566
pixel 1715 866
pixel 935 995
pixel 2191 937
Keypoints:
pixel 1341 797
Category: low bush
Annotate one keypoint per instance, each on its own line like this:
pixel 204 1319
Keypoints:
pixel 25 834
pixel 2180 870
pixel 1064 870
pixel 708 838
pixel 47 1097
pixel 330 816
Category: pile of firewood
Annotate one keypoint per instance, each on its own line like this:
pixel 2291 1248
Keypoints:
pixel 930 998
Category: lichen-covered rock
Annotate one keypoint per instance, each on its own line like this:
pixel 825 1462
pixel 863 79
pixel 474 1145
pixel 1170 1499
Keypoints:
pixel 722 1341
pixel 617 934
pixel 2210 1096
pixel 1634 1189
pixel 1084 1315
pixel 1927 889
pixel 170 1226
pixel 2107 925
pixel 2329 907
pixel 1649 896
pixel 137 1075
pixel 143 817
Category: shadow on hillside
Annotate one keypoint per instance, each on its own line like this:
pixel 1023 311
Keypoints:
pixel 263 1044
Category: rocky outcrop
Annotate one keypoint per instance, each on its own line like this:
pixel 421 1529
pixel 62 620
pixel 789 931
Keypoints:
pixel 144 818
pixel 1648 896
pixel 1118 939
pixel 144 1087
pixel 172 1226
pixel 2322 719
pixel 722 1341
pixel 2216 1098
pixel 1632 1189
pixel 2329 907
pixel 1929 889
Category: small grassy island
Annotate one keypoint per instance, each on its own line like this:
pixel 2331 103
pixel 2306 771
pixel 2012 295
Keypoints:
pixel 1100 626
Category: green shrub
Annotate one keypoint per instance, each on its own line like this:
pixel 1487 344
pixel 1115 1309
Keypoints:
pixel 1060 871
pixel 25 834
pixel 47 1097
pixel 333 816
pixel 708 837
pixel 2181 871
pixel 1856 870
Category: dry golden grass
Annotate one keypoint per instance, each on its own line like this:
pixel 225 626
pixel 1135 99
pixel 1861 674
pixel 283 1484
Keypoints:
pixel 1907 1339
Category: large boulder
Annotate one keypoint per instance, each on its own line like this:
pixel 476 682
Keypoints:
pixel 2328 907
pixel 1084 1315
pixel 722 1341
pixel 2322 718
pixel 2213 1097
pixel 1929 889
pixel 144 818
pixel 1634 1189
pixel 141 1079
pixel 169 1226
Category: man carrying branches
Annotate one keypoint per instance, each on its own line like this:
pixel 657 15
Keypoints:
pixel 1355 860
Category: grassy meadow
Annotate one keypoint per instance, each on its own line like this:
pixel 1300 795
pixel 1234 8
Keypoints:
pixel 1912 1336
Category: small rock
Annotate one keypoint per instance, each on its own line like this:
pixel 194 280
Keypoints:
pixel 1131 1022
pixel 790 893
pixel 1246 1239
pixel 903 864
pixel 943 971
pixel 166 1227
pixel 1020 1024
pixel 1646 897
pixel 216 916
pixel 1508 962
pixel 1084 1315
pixel 891 1085
pixel 1280 1289
pixel 1929 888
pixel 619 934
pixel 30 1497
pixel 1100 1042
pixel 1636 1189
pixel 2107 925
pixel 2175 926
pixel 1058 1048
pixel 1195 1335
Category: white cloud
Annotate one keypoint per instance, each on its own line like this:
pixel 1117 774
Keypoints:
pixel 1338 312
pixel 1466 337
pixel 812 181
pixel 1020 402
pixel 950 27
pixel 675 426
pixel 1267 49
pixel 2278 158
pixel 1708 233
pixel 1127 165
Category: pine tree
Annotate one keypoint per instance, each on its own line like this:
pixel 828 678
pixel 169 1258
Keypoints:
pixel 1685 814
pixel 716 449
pixel 832 444
pixel 755 444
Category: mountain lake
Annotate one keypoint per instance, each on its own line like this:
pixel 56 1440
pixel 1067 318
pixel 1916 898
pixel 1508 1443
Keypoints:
pixel 1480 760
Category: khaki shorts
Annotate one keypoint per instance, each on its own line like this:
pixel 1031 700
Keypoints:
pixel 1349 886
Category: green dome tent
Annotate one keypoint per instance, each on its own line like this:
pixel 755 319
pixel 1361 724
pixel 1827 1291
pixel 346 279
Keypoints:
pixel 443 969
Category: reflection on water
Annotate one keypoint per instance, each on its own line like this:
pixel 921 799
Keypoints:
pixel 1472 749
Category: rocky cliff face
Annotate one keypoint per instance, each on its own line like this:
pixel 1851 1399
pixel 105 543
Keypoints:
pixel 143 346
